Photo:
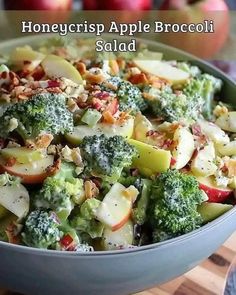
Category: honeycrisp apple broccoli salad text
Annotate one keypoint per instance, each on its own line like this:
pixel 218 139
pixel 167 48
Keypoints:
pixel 110 152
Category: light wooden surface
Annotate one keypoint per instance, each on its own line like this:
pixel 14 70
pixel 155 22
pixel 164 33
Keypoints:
pixel 209 278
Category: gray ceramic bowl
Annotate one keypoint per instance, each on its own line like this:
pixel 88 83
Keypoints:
pixel 36 272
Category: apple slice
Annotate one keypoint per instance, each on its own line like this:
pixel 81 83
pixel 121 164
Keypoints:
pixel 119 239
pixel 184 149
pixel 150 158
pixel 227 121
pixel 203 164
pixel 214 132
pixel 22 155
pixel 26 57
pixel 31 173
pixel 125 129
pixel 15 198
pixel 210 211
pixel 163 70
pixel 115 209
pixel 228 149
pixel 141 128
pixel 215 193
pixel 57 67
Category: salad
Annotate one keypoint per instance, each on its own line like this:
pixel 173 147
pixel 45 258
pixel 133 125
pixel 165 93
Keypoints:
pixel 110 152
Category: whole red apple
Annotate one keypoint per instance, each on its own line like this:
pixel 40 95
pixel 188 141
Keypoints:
pixel 204 45
pixel 117 4
pixel 38 4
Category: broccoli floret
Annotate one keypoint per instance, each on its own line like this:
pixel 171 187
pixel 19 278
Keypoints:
pixel 41 229
pixel 60 192
pixel 129 96
pixel 107 156
pixel 84 221
pixel 173 205
pixel 140 211
pixel 177 106
pixel 204 87
pixel 43 113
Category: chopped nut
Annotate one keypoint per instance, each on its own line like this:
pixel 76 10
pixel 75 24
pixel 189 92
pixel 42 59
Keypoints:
pixel 81 67
pixel 91 190
pixel 66 154
pixel 76 156
pixel 43 141
pixel 220 110
pixel 72 105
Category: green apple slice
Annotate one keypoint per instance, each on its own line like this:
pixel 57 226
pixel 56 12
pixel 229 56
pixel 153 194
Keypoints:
pixel 23 155
pixel 122 238
pixel 163 70
pixel 15 198
pixel 185 147
pixel 26 56
pixel 150 158
pixel 57 67
pixel 125 129
pixel 210 211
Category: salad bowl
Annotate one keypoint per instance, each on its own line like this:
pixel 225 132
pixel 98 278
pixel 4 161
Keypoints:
pixel 35 271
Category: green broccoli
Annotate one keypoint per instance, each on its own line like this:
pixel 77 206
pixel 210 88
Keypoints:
pixel 129 95
pixel 41 229
pixel 140 211
pixel 7 179
pixel 107 156
pixel 60 192
pixel 203 87
pixel 175 106
pixel 173 205
pixel 85 221
pixel 45 112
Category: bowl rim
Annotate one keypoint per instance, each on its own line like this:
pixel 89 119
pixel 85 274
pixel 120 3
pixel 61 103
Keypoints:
pixel 132 250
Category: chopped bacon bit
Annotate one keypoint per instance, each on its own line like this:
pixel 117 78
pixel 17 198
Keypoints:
pixel 123 117
pixel 169 144
pixel 4 75
pixel 108 117
pixel 81 67
pixel 10 162
pixel 38 73
pixel 113 107
pixel 114 67
pixel 172 161
pixel 97 104
pixel 139 79
pixel 66 241
pixel 54 83
pixel 12 234
pixel 224 168
pixel 103 95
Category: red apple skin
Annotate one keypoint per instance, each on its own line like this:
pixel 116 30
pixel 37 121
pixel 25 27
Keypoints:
pixel 38 4
pixel 215 195
pixel 122 222
pixel 117 5
pixel 203 45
